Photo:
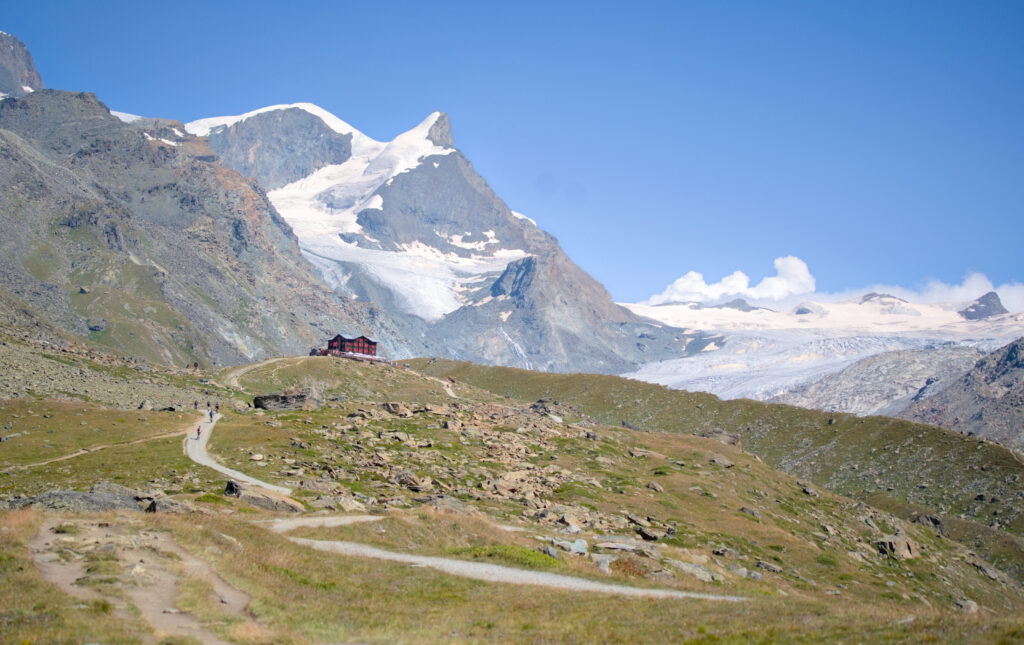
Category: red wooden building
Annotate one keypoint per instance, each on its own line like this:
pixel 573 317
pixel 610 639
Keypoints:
pixel 341 344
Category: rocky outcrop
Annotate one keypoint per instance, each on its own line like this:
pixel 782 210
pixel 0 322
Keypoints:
pixel 263 498
pixel 987 402
pixel 280 146
pixel 18 75
pixel 885 383
pixel 898 546
pixel 293 401
pixel 984 307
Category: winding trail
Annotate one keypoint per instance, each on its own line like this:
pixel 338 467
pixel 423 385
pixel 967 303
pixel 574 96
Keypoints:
pixel 92 449
pixel 231 378
pixel 196 451
pixel 472 570
pixel 195 448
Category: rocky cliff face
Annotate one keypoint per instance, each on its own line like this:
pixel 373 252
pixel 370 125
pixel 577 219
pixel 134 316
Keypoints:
pixel 279 147
pixel 136 236
pixel 18 75
pixel 988 401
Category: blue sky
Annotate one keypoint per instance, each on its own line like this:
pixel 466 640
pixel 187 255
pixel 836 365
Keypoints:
pixel 879 142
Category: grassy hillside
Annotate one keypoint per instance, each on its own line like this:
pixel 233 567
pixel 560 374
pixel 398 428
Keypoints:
pixel 485 476
pixel 897 465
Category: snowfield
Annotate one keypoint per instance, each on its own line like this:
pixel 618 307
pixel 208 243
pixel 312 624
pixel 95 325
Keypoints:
pixel 322 206
pixel 759 354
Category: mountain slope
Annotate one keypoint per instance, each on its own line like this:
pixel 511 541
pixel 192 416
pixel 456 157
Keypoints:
pixel 988 401
pixel 18 75
pixel 884 383
pixel 410 225
pixel 133 234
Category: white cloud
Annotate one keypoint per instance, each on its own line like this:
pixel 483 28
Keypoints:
pixel 793 283
pixel 792 278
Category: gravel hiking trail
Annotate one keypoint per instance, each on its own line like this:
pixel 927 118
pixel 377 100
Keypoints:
pixel 473 570
pixel 196 451
pixel 90 449
pixel 231 378
pixel 147 569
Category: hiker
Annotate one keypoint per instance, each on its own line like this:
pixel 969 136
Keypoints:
pixel 217 405
pixel 195 404
pixel 207 405
pixel 211 416
pixel 199 431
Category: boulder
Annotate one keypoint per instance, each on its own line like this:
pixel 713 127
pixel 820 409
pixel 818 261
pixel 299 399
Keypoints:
pixel 933 521
pixel 721 436
pixel 768 566
pixel 411 481
pixel 398 409
pixel 295 401
pixel 898 546
pixel 263 498
pixel 656 487
pixel 72 501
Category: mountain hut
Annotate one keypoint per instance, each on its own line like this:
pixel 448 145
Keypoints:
pixel 342 344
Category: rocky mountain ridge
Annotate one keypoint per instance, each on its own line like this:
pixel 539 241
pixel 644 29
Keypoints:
pixel 987 401
pixel 134 235
pixel 18 75
pixel 410 225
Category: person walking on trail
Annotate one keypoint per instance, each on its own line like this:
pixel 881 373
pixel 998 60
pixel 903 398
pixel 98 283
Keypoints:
pixel 195 404
pixel 199 432
pixel 211 416
pixel 207 405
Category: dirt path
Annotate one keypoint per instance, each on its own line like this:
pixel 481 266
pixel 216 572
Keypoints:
pixel 231 378
pixel 445 384
pixel 474 570
pixel 195 449
pixel 91 449
pixel 135 566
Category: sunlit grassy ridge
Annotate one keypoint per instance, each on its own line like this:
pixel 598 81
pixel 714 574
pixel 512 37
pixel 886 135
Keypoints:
pixel 896 464
pixel 824 579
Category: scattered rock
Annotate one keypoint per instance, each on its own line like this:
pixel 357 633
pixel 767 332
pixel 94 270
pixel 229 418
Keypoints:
pixel 933 521
pixel 656 487
pixel 728 438
pixel 398 409
pixel 751 512
pixel 696 570
pixel 146 405
pixel 968 606
pixel 261 497
pixel 257 457
pixel 650 534
pixel 768 566
pixel 412 481
pixel 721 461
pixel 603 561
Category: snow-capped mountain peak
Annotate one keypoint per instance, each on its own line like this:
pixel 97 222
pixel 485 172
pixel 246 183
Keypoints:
pixel 204 127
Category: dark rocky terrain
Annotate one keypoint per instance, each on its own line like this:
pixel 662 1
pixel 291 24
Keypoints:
pixel 17 71
pixel 137 237
pixel 884 383
pixel 986 306
pixel 988 401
